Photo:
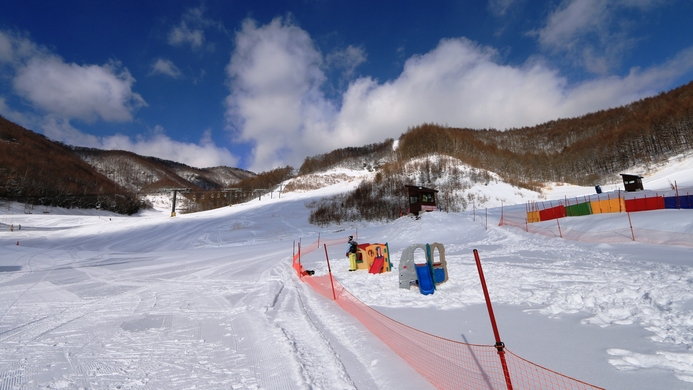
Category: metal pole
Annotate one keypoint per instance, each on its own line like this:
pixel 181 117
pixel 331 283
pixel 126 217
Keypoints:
pixel 299 259
pixel 631 227
pixel 499 344
pixel 559 228
pixel 173 207
pixel 329 270
pixel 678 200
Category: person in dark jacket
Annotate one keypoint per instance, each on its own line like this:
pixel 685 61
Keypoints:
pixel 351 253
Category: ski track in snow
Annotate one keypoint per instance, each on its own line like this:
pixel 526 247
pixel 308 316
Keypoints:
pixel 209 300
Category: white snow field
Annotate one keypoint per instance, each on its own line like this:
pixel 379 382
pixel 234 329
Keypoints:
pixel 209 300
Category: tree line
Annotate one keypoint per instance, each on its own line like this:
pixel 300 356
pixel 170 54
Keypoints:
pixel 587 150
pixel 38 171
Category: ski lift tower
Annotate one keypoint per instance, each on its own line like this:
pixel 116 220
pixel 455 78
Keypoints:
pixel 232 193
pixel 260 191
pixel 175 192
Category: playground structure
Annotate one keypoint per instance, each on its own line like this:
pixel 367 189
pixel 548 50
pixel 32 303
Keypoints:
pixel 426 275
pixel 373 257
pixel 445 363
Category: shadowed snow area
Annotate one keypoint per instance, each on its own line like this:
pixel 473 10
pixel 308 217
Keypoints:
pixel 209 300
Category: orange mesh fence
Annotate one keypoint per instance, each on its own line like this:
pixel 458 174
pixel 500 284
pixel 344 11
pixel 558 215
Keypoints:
pixel 447 364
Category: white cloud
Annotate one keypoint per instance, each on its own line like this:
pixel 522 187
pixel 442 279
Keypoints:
pixel 69 90
pixel 275 100
pixel 182 34
pixel 463 85
pixel 156 144
pixel 573 19
pixel 594 33
pixel 14 116
pixel 500 7
pixel 201 155
pixel 86 92
pixel 347 60
pixel 63 91
pixel 166 67
pixel 191 28
pixel 16 48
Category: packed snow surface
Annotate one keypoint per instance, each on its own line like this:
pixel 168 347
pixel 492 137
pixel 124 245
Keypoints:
pixel 91 299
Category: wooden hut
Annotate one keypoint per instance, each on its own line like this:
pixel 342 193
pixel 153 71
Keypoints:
pixel 632 182
pixel 421 199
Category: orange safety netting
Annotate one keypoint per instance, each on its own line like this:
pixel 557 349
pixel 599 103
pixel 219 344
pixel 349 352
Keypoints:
pixel 447 364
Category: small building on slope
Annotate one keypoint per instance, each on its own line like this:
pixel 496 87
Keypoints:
pixel 421 199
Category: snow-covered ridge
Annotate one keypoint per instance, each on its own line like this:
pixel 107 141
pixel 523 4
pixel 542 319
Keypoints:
pixel 97 300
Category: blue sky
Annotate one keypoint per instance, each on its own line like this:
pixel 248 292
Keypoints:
pixel 261 84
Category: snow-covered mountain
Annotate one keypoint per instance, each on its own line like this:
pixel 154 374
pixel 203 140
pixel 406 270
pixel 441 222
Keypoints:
pixel 148 174
pixel 92 299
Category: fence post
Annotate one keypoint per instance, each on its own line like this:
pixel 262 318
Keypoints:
pixel 631 227
pixel 501 219
pixel 329 270
pixel 499 344
pixel 559 228
pixel 678 200
pixel 298 271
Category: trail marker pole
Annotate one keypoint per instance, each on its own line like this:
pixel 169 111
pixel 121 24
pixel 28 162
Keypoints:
pixel 559 228
pixel 678 200
pixel 631 227
pixel 499 344
pixel 329 270
pixel 299 259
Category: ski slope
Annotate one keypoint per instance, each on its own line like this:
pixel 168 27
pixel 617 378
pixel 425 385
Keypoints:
pixel 90 299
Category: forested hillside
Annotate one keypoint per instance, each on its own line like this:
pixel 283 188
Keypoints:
pixel 37 171
pixel 149 174
pixel 589 150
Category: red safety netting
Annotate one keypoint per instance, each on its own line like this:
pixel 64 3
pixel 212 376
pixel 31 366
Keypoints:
pixel 447 364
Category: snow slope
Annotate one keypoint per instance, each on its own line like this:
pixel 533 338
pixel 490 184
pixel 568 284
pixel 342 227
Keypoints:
pixel 208 300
